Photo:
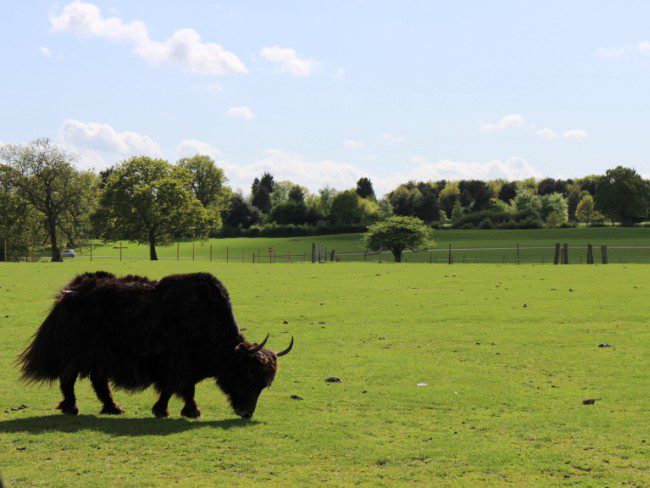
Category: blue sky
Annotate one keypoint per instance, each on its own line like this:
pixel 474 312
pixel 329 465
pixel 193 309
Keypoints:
pixel 322 92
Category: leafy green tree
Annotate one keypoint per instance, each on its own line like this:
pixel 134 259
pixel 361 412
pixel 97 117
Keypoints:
pixel 557 204
pixel 448 197
pixel 20 224
pixel 397 234
pixel 261 199
pixel 348 208
pixel 148 200
pixel 207 183
pixel 49 182
pixel 475 195
pixel 240 213
pixel 528 203
pixel 508 192
pixel 586 210
pixel 623 195
pixel 457 212
pixel 365 189
pixel 297 194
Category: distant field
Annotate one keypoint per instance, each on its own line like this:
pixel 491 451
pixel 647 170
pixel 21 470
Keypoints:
pixel 535 246
pixel 505 356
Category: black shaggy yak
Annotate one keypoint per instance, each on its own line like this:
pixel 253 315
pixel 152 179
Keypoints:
pixel 134 333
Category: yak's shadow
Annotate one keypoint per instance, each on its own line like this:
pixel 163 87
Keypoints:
pixel 118 426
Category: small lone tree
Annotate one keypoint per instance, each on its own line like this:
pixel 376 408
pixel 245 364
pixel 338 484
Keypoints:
pixel 396 234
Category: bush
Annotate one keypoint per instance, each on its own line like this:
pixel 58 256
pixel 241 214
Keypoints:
pixel 568 225
pixel 486 224
pixel 475 218
pixel 289 230
pixel 530 223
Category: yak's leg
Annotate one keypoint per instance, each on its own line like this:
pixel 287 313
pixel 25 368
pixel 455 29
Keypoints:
pixel 68 405
pixel 191 409
pixel 103 392
pixel 160 408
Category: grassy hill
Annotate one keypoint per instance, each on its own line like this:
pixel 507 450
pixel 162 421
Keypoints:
pixel 468 241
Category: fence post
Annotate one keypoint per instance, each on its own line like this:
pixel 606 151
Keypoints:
pixel 192 251
pixel 227 254
pixel 565 253
pixel 590 254
pixel 242 255
pixel 333 254
pixel 91 250
pixel 253 257
pixel 178 251
pixel 603 254
pixel 556 255
pixel 430 256
pixel 365 255
pixel 450 259
pixel 210 253
pixel 517 252
pixel 313 252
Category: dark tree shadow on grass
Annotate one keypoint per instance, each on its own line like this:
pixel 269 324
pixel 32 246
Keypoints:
pixel 118 426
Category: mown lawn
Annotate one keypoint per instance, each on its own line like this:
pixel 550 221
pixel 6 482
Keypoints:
pixel 507 354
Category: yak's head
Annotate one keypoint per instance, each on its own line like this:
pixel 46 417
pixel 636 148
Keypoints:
pixel 254 370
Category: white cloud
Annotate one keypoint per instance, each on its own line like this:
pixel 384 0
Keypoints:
pixel 240 113
pixel 512 168
pixel 45 52
pixel 339 74
pixel 289 60
pixel 642 48
pixel 575 134
pixel 184 47
pixel 101 145
pixel 192 147
pixel 352 144
pixel 546 133
pixel 506 122
pixel 392 138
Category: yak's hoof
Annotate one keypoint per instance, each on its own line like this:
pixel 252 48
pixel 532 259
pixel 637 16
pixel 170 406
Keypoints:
pixel 67 409
pixel 160 413
pixel 114 409
pixel 191 412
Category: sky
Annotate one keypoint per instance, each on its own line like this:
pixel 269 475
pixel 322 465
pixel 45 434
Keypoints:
pixel 322 92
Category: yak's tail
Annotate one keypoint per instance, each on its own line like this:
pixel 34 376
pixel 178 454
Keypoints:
pixel 41 359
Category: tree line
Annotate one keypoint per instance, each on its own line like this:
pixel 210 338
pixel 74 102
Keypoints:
pixel 46 201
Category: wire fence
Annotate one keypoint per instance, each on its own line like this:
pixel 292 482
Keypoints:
pixel 559 253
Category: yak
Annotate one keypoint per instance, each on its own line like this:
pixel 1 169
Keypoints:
pixel 133 332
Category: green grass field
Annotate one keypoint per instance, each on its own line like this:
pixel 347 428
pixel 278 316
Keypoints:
pixel 507 353
pixel 626 245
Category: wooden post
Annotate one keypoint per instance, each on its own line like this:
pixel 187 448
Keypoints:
pixel 192 251
pixel 227 254
pixel 253 257
pixel 178 251
pixel 450 258
pixel 565 253
pixel 430 256
pixel 333 255
pixel 556 255
pixel 289 256
pixel 91 250
pixel 603 254
pixel 313 252
pixel 517 252
pixel 365 255
pixel 242 256
pixel 590 254
pixel 120 251
pixel 210 252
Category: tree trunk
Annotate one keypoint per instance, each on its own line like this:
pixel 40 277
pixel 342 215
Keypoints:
pixel 56 252
pixel 398 255
pixel 152 247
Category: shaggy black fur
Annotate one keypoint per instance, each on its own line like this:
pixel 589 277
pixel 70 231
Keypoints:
pixel 134 332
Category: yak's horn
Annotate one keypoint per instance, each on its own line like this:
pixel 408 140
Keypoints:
pixel 286 351
pixel 253 350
